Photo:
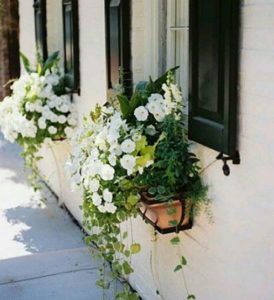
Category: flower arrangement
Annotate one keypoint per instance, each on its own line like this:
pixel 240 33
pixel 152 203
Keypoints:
pixel 124 148
pixel 38 110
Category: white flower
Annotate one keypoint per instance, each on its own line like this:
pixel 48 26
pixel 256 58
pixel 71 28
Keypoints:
pixel 72 121
pixel 155 98
pixel 110 207
pixel 107 172
pixel 52 130
pixel 64 108
pixel 61 119
pixel 94 185
pixel 108 110
pixel 159 115
pixel 141 113
pixel 42 123
pixel 128 162
pixel 68 132
pixel 115 149
pixel 128 146
pixel 96 199
pixel 107 195
pixel 102 209
pixel 150 130
pixel 112 159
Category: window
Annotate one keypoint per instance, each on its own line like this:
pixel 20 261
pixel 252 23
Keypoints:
pixel 177 40
pixel 40 21
pixel 71 43
pixel 118 44
pixel 214 27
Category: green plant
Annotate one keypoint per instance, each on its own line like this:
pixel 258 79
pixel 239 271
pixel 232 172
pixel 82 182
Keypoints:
pixel 142 141
pixel 37 111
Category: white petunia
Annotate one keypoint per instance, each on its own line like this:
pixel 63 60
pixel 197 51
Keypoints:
pixel 150 130
pixel 107 195
pixel 102 208
pixel 128 146
pixel 42 123
pixel 96 199
pixel 64 108
pixel 52 130
pixel 107 172
pixel 141 113
pixel 94 185
pixel 115 149
pixel 61 119
pixel 159 115
pixel 112 159
pixel 72 121
pixel 68 132
pixel 128 162
pixel 110 207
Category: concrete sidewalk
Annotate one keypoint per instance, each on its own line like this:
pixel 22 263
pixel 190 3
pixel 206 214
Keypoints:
pixel 42 252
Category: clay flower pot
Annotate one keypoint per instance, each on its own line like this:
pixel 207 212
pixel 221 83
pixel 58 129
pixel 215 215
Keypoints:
pixel 156 213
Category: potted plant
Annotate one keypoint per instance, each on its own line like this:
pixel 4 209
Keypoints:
pixel 133 155
pixel 38 110
pixel 174 187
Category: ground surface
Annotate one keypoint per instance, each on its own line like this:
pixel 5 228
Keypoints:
pixel 42 253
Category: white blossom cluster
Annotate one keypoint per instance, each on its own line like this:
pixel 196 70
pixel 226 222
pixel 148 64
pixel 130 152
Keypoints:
pixel 34 108
pixel 100 148
pixel 160 106
pixel 107 144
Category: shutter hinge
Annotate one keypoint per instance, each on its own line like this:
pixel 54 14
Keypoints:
pixel 235 161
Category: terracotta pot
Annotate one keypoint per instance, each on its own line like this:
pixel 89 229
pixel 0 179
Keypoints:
pixel 155 213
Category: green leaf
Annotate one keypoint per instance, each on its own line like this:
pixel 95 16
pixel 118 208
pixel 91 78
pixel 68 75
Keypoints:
pixel 125 235
pixel 152 190
pixel 161 189
pixel 175 240
pixel 26 62
pixel 178 268
pixel 171 211
pixel 135 101
pixel 132 199
pixel 127 253
pixel 183 261
pixel 102 284
pixel 135 248
pixel 127 268
pixel 141 86
pixel 124 105
pixel 50 62
pixel 189 297
pixel 173 223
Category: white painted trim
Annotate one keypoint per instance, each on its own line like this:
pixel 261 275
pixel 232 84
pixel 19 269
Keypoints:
pixel 151 38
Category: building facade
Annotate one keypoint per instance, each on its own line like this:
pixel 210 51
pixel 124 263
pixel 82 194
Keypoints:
pixel 233 257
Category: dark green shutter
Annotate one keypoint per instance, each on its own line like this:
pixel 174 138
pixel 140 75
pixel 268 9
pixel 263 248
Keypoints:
pixel 118 29
pixel 40 21
pixel 71 42
pixel 214 28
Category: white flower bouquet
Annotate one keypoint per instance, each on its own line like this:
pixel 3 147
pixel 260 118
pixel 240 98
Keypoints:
pixel 38 110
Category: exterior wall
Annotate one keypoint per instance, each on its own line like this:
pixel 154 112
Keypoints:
pixel 233 257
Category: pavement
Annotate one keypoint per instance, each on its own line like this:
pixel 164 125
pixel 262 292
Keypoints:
pixel 42 252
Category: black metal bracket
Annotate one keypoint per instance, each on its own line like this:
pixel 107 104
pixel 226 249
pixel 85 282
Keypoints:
pixel 235 161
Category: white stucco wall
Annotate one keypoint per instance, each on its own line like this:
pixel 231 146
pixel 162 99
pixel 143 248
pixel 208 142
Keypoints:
pixel 234 257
